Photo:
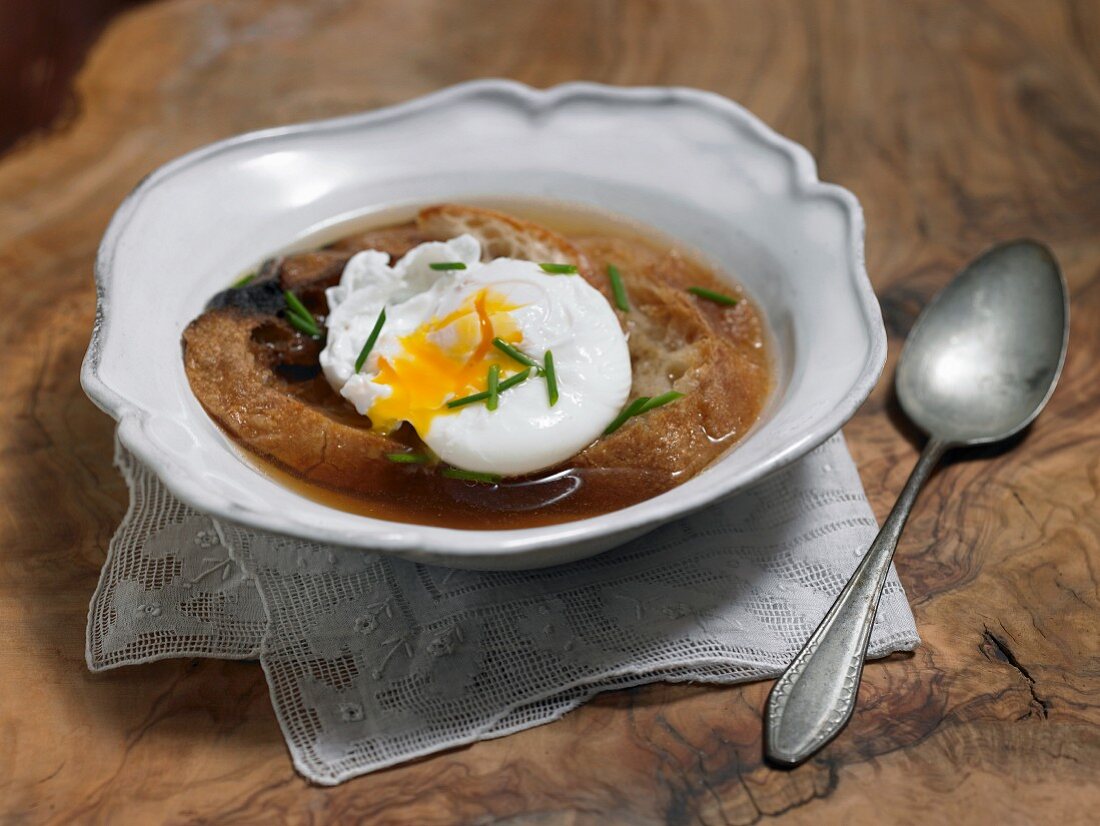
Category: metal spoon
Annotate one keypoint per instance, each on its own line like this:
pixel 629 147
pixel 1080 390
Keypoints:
pixel 979 365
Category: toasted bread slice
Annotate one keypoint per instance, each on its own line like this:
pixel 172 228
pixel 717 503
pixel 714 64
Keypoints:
pixel 305 269
pixel 394 241
pixel 677 343
pixel 500 235
pixel 232 374
pixel 322 268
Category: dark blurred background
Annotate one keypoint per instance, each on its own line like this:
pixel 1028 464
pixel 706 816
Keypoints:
pixel 42 44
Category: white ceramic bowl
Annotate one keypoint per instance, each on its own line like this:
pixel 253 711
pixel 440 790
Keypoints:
pixel 690 163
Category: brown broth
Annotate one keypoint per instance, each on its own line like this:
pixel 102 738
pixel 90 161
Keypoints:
pixel 419 494
pixel 422 497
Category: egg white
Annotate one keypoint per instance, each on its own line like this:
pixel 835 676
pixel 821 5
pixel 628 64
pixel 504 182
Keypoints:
pixel 561 313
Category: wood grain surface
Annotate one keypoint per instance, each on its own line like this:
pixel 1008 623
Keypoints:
pixel 956 123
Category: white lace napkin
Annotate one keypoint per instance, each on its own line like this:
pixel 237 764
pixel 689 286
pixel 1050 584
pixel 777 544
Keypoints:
pixel 372 661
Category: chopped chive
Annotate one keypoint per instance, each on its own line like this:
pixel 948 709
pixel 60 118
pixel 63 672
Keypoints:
pixel 494 387
pixel 243 281
pixel 559 269
pixel 639 406
pixel 511 382
pixel 663 399
pixel 299 317
pixel 513 353
pixel 368 345
pixel 551 377
pixel 507 384
pixel 470 475
pixel 617 288
pixel 711 295
pixel 448 265
pixel 302 325
pixel 297 307
pixel 465 400
pixel 628 412
pixel 408 458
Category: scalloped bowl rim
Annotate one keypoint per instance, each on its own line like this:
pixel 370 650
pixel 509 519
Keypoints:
pixel 441 544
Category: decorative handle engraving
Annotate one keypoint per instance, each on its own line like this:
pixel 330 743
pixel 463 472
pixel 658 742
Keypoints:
pixel 813 699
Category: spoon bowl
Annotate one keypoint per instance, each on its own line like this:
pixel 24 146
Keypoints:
pixel 985 355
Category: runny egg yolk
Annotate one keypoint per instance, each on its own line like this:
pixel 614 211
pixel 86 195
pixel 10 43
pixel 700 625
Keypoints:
pixel 443 359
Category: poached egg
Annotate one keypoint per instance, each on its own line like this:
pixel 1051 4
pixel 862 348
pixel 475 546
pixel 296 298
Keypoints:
pixel 436 345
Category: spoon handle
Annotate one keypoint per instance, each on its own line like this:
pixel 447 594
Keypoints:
pixel 813 699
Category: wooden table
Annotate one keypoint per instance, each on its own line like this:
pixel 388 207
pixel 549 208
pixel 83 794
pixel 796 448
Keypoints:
pixel 957 124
